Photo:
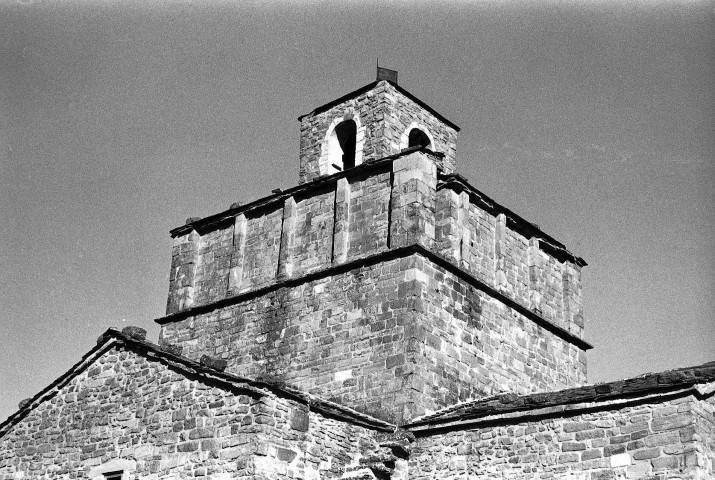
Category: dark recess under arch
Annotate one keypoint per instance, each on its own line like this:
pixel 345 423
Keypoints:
pixel 418 138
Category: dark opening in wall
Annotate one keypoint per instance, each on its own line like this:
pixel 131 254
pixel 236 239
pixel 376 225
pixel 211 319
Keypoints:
pixel 418 138
pixel 347 133
pixel 342 145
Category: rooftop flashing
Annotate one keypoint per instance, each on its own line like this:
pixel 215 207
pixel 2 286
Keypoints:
pixel 683 380
pixel 371 86
pixel 113 337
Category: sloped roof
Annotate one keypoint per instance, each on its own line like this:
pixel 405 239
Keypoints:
pixel 369 87
pixel 114 338
pixel 683 380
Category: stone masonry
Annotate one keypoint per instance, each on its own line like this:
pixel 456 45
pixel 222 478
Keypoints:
pixel 394 287
pixel 134 407
pixel 383 319
pixel 655 427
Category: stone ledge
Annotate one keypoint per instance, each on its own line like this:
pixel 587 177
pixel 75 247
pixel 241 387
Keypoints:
pixel 372 259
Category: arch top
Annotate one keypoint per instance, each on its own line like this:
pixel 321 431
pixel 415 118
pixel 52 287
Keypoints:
pixel 417 134
pixel 342 145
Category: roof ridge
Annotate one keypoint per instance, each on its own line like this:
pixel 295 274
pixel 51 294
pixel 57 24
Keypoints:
pixel 370 86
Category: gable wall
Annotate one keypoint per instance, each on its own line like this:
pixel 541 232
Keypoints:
pixel 135 412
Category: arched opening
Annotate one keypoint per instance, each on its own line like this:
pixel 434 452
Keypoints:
pixel 341 145
pixel 418 138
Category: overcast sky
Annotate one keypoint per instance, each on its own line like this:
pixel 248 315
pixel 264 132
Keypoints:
pixel 118 120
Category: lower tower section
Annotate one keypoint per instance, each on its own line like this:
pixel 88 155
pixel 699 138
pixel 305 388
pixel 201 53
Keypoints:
pixel 390 288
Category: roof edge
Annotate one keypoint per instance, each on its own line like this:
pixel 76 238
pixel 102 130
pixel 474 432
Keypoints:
pixel 320 182
pixel 681 380
pixel 526 228
pixel 113 337
pixel 371 259
pixel 371 86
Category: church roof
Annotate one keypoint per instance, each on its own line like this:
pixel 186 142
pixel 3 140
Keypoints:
pixel 569 401
pixel 207 369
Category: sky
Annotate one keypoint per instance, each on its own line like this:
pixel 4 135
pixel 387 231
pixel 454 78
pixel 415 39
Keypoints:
pixel 118 120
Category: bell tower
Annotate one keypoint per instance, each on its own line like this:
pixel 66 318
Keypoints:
pixel 375 121
pixel 383 281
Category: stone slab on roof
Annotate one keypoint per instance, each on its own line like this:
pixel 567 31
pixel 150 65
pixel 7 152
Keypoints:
pixel 682 379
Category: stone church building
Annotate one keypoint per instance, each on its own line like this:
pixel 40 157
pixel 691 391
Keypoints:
pixel 383 319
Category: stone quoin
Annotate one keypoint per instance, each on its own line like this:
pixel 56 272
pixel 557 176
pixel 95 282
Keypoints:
pixel 383 319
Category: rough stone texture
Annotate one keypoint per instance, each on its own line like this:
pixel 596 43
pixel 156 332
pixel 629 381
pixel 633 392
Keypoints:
pixel 340 337
pixel 391 333
pixel 384 115
pixel 653 440
pixel 509 256
pixel 704 416
pixel 468 346
pixel 125 408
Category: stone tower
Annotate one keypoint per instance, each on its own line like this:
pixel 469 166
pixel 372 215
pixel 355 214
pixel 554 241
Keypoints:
pixel 383 281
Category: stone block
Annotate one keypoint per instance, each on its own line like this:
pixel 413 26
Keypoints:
pixel 646 453
pixel 300 419
pixel 218 364
pixel 665 463
pixel 136 333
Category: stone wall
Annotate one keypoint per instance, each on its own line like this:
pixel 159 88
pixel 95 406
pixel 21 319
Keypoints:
pixel 393 339
pixel 704 415
pixel 336 337
pixel 509 256
pixel 654 440
pixel 298 285
pixel 470 345
pixel 129 411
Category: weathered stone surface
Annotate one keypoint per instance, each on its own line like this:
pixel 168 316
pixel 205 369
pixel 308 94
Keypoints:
pixel 172 349
pixel 126 411
pixel 533 446
pixel 218 364
pixel 384 115
pixel 292 287
pixel 136 333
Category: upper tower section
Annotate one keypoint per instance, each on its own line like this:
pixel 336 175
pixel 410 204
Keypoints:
pixel 375 121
